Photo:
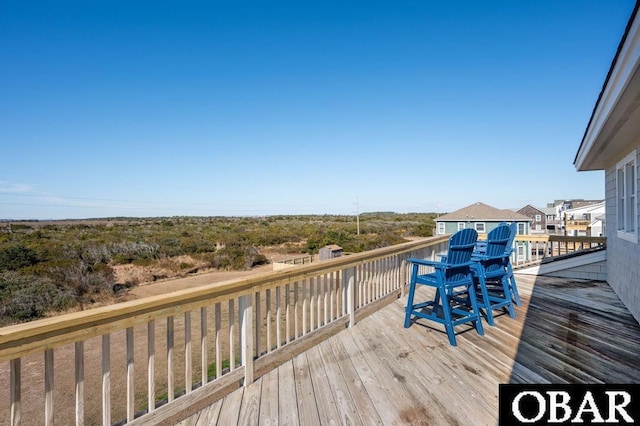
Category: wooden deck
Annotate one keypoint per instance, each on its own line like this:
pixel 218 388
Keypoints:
pixel 566 331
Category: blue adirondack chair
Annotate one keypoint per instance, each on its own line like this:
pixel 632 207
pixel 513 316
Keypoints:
pixel 481 247
pixel 451 276
pixel 492 273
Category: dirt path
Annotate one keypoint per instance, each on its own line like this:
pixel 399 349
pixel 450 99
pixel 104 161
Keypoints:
pixel 204 278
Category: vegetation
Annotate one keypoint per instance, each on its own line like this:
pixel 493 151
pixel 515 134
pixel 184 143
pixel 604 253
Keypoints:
pixel 51 266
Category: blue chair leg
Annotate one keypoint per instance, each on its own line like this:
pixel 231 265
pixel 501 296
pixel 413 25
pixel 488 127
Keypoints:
pixel 507 295
pixel 486 302
pixel 412 291
pixel 512 286
pixel 448 319
pixel 476 310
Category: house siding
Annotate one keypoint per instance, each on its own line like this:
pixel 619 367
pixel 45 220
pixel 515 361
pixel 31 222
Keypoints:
pixel 531 212
pixel 623 268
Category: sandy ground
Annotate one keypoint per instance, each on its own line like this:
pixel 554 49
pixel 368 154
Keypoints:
pixel 204 278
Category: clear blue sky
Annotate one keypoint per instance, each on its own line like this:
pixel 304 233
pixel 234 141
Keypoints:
pixel 136 108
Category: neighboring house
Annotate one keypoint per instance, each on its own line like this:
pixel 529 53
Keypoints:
pixel 586 221
pixel 552 222
pixel 481 217
pixel 611 142
pixel 538 218
pixel 560 206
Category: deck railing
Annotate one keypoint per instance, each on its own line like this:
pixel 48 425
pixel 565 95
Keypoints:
pixel 532 249
pixel 154 359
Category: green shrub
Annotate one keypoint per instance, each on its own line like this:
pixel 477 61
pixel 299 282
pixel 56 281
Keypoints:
pixel 15 257
pixel 29 297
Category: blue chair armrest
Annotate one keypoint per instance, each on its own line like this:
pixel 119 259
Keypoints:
pixel 425 262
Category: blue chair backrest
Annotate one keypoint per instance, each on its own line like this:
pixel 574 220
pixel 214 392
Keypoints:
pixel 498 246
pixel 461 246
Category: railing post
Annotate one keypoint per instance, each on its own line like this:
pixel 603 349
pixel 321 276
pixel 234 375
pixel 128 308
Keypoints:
pixel 403 278
pixel 15 391
pixel 349 276
pixel 247 337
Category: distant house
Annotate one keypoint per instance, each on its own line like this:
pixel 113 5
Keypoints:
pixel 481 217
pixel 330 251
pixel 611 142
pixel 538 218
pixel 587 220
pixel 552 221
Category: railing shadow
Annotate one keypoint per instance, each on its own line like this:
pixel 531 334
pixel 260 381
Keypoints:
pixel 576 331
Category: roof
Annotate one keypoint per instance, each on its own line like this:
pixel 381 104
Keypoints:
pixel 333 247
pixel 532 207
pixel 615 121
pixel 483 212
pixel 548 210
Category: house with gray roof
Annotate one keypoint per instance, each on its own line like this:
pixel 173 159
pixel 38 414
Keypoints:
pixel 481 217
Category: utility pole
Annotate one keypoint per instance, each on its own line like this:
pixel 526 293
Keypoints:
pixel 357 216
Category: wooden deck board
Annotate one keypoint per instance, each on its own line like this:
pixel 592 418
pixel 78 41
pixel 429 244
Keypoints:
pixel 566 331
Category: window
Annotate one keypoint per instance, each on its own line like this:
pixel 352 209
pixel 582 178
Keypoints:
pixel 538 227
pixel 460 226
pixel 538 218
pixel 626 190
pixel 521 228
pixel 480 227
pixel 441 228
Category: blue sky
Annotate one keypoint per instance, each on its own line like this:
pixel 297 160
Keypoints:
pixel 134 108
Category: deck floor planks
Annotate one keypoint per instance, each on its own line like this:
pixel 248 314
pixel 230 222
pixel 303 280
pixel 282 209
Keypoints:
pixel 427 396
pixel 269 399
pixel 250 408
pixel 351 373
pixel 327 408
pixel 287 397
pixel 366 410
pixel 230 410
pixel 393 400
pixel 307 407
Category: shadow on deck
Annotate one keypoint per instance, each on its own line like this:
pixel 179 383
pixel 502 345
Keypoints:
pixel 566 331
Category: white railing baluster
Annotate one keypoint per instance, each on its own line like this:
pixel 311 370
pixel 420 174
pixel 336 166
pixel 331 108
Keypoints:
pixel 130 375
pixel 312 302
pixel 319 299
pixel 295 310
pixel 287 301
pixel 232 358
pixel 48 386
pixel 106 379
pixel 15 391
pixel 333 309
pixel 267 303
pixel 170 373
pixel 204 361
pixel 151 365
pixel 349 276
pixel 304 307
pixel 278 318
pixel 79 388
pixel 188 359
pixel 258 320
pixel 218 336
pixel 247 338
